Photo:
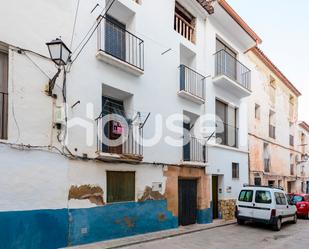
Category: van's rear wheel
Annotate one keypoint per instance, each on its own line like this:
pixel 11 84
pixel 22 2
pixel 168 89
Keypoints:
pixel 308 216
pixel 277 226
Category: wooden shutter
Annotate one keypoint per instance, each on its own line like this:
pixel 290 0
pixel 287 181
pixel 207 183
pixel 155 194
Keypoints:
pixel 3 95
pixel 120 186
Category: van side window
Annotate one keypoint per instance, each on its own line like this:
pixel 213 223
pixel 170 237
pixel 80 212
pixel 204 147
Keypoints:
pixel 246 196
pixel 283 199
pixel 262 196
pixel 280 199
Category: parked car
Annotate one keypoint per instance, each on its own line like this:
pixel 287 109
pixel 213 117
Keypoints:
pixel 302 204
pixel 268 205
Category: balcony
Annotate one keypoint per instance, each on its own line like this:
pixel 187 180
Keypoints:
pixel 192 85
pixel 120 48
pixel 119 143
pixel 195 151
pixel 232 75
pixel 272 131
pixel 227 135
pixel 184 28
pixel 267 165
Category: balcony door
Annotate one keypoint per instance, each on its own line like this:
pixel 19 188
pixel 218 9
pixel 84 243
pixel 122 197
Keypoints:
pixel 228 60
pixel 112 106
pixel 226 130
pixel 115 38
pixel 186 146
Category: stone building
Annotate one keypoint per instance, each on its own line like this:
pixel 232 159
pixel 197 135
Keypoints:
pixel 273 130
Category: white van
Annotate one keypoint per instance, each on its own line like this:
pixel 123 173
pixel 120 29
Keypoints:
pixel 267 205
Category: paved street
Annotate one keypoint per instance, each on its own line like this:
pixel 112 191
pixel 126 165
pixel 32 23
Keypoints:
pixel 240 237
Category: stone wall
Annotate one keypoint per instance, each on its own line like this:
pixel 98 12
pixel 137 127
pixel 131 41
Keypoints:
pixel 227 209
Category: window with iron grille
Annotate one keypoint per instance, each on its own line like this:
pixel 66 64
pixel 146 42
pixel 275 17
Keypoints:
pixel 3 95
pixel 120 186
pixel 235 170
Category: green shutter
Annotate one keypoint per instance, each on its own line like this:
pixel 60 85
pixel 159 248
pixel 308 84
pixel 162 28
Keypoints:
pixel 120 186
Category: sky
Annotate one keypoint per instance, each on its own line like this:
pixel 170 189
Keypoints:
pixel 283 26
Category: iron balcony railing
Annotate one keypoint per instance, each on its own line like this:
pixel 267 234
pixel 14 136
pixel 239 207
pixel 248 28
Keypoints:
pixel 3 115
pixel 267 165
pixel 227 135
pixel 272 131
pixel 195 150
pixel 228 65
pixel 192 82
pixel 132 141
pixel 120 43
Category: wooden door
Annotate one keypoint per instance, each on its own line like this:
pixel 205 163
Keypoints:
pixel 215 202
pixel 187 202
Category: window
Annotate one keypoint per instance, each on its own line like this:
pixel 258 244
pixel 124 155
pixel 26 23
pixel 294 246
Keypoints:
pixel 291 164
pixel 272 89
pixel 291 107
pixel 257 111
pixel 226 125
pixel 266 156
pixel 257 181
pixel 246 196
pixel 120 186
pixel 280 199
pixel 272 126
pixel 235 170
pixel 3 95
pixel 291 140
pixel 297 198
pixel 263 197
pixel 184 23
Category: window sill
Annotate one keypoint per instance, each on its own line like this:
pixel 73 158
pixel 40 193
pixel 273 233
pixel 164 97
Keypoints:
pixel 111 60
pixel 191 97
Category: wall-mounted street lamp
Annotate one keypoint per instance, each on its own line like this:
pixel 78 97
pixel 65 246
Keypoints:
pixel 60 54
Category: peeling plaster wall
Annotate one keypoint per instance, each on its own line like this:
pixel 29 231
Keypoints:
pixel 35 190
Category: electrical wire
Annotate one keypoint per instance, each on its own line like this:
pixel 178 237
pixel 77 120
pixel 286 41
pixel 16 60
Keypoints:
pixel 37 66
pixel 99 20
pixel 74 24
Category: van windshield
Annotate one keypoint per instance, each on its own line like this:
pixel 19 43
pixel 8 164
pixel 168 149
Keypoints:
pixel 246 196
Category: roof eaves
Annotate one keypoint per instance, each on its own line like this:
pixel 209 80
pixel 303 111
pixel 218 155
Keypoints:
pixel 240 21
pixel 258 52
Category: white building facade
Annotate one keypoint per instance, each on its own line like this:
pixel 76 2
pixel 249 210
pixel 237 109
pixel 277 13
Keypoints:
pixel 160 66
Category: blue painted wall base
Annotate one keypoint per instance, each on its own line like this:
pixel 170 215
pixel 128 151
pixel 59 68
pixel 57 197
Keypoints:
pixel 51 229
pixel 204 216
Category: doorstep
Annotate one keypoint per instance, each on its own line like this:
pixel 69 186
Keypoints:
pixel 133 240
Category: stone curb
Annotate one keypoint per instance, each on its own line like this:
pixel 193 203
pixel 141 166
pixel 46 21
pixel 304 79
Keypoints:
pixel 149 237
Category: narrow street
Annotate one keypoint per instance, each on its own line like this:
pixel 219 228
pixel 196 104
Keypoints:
pixel 240 237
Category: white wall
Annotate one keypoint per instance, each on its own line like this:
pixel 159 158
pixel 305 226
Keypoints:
pixel 31 111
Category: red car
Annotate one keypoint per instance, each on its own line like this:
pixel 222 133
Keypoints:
pixel 302 204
